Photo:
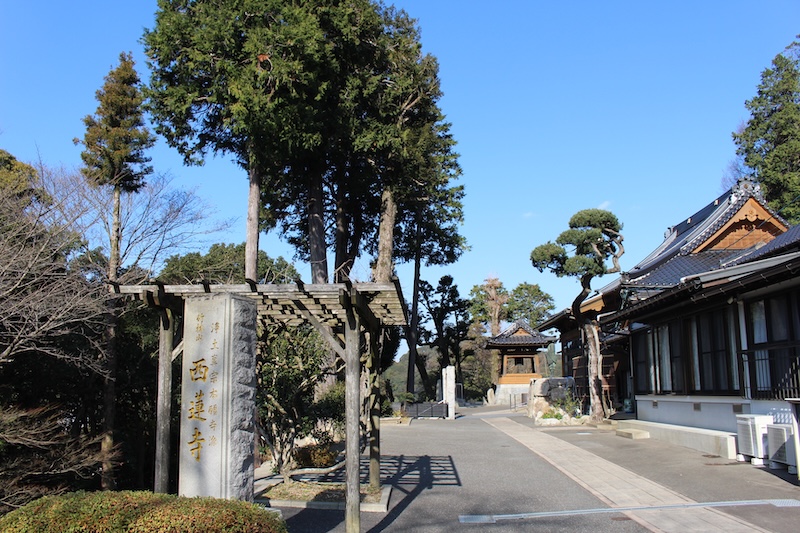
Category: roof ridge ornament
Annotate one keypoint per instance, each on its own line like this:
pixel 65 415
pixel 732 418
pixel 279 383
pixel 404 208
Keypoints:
pixel 745 186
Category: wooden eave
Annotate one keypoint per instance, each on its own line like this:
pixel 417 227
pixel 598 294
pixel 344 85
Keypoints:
pixel 379 304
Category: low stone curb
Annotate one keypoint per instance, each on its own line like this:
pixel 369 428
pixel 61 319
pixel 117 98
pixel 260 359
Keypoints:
pixel 380 507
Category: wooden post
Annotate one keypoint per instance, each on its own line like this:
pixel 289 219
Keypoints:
pixel 163 402
pixel 375 413
pixel 352 426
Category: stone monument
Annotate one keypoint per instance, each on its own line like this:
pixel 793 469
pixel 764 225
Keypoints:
pixel 217 429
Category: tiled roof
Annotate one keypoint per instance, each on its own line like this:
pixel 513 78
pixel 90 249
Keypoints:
pixel 785 242
pixel 520 333
pixel 675 257
pixel 670 272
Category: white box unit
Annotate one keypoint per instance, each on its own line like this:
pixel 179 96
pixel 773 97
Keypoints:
pixel 751 434
pixel 781 444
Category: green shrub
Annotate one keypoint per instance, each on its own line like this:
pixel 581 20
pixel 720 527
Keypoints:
pixel 570 405
pixel 139 512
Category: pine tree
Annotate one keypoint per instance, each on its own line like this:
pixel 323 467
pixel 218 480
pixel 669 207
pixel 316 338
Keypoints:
pixel 582 252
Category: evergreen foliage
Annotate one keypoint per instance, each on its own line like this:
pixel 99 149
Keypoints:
pixel 327 105
pixel 16 177
pixel 291 362
pixel 529 302
pixel 224 263
pixel 770 141
pixel 116 138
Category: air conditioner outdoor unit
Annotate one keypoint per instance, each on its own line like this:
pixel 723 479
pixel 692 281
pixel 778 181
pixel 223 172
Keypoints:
pixel 751 432
pixel 781 444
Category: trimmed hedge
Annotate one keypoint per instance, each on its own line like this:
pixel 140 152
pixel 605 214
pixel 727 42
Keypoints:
pixel 139 512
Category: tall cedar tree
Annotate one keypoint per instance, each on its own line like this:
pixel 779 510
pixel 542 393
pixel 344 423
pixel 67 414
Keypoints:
pixel 411 145
pixel 244 78
pixel 582 252
pixel 327 105
pixel 489 307
pixel 114 156
pixel 770 141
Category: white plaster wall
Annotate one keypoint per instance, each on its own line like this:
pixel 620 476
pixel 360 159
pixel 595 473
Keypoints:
pixel 716 412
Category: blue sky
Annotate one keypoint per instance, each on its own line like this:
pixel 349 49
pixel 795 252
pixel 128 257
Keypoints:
pixel 556 107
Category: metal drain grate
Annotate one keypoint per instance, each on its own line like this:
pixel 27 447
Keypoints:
pixel 785 503
pixel 492 519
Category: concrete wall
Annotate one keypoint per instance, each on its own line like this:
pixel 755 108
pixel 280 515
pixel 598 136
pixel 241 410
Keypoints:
pixel 504 393
pixel 710 412
pixel 709 441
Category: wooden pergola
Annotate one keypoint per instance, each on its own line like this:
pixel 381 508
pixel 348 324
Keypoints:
pixel 339 311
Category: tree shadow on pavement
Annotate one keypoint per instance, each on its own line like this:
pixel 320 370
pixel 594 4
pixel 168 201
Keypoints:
pixel 409 476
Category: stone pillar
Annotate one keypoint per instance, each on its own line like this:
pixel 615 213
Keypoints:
pixel 217 438
pixel 449 390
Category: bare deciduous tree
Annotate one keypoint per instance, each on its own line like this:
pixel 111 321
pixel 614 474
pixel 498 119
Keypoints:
pixel 40 456
pixel 46 302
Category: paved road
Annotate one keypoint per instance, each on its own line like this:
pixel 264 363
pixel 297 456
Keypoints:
pixel 491 470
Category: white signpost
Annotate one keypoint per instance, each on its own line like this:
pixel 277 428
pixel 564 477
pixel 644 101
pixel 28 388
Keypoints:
pixel 217 429
pixel 449 390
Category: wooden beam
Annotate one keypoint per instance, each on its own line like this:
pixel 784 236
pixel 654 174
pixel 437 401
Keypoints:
pixel 361 305
pixel 333 340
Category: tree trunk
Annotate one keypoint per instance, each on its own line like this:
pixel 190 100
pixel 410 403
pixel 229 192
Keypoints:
pixel 444 352
pixel 116 236
pixel 594 368
pixel 591 348
pixel 107 480
pixel 251 240
pixel 384 265
pixel 349 231
pixel 341 238
pixel 316 232
pixel 412 333
pixel 382 274
pixel 374 369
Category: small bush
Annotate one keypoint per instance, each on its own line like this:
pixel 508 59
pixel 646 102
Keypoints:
pixel 553 414
pixel 570 404
pixel 316 455
pixel 139 512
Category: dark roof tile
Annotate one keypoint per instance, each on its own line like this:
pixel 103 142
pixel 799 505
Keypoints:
pixel 669 273
pixel 511 336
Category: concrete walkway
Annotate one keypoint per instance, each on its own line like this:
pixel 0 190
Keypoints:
pixel 656 507
pixel 492 470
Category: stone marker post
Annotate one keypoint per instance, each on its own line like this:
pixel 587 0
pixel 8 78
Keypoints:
pixel 449 390
pixel 217 435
